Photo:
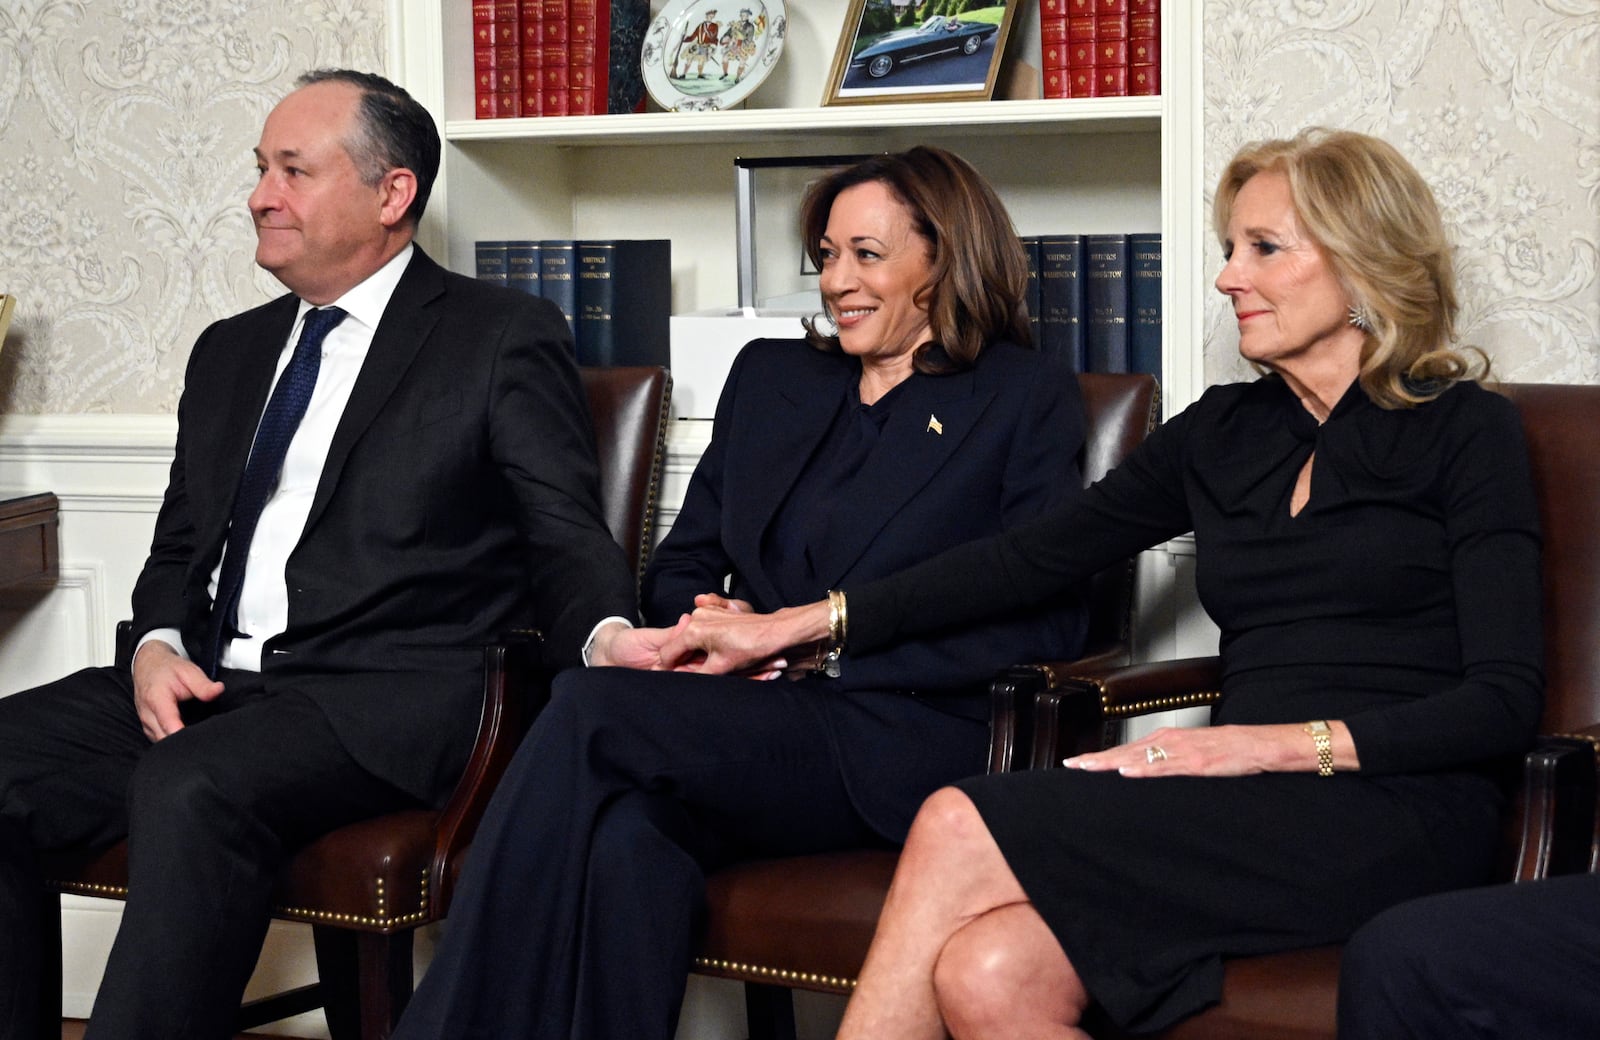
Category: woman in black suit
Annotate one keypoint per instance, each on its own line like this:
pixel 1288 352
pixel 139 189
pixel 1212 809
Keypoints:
pixel 913 419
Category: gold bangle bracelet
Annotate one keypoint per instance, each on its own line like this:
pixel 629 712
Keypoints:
pixel 838 630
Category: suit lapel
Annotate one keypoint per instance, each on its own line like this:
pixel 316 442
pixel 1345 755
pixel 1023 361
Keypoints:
pixel 793 418
pixel 404 328
pixel 927 427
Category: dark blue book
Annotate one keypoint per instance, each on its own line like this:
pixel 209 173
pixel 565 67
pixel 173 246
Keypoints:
pixel 557 267
pixel 624 301
pixel 1105 302
pixel 1061 325
pixel 490 260
pixel 522 266
pixel 1144 303
pixel 630 20
pixel 1030 295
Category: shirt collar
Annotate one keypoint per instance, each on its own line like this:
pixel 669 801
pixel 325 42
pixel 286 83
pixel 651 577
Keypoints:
pixel 367 301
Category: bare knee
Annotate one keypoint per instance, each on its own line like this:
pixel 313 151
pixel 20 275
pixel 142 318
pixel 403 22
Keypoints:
pixel 948 820
pixel 1004 975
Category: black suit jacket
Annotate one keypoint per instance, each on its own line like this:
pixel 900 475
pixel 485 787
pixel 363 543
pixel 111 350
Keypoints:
pixel 1012 429
pixel 459 500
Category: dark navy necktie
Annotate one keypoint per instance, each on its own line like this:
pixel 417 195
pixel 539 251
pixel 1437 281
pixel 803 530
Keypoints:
pixel 278 423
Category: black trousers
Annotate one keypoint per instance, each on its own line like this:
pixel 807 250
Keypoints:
pixel 577 913
pixel 1509 962
pixel 210 812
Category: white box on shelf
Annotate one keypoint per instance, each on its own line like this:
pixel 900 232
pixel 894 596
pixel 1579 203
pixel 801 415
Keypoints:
pixel 704 344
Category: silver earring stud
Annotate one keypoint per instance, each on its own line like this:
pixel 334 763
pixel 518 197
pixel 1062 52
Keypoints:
pixel 1359 318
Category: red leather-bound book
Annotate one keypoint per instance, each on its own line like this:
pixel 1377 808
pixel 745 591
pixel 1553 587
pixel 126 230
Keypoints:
pixel 1144 47
pixel 1082 31
pixel 496 59
pixel 556 55
pixel 1111 48
pixel 531 18
pixel 588 36
pixel 1053 47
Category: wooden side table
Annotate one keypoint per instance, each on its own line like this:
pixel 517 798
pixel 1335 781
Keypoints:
pixel 29 549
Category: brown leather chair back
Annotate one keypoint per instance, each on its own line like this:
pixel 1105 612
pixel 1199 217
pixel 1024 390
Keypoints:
pixel 1120 410
pixel 628 406
pixel 1561 423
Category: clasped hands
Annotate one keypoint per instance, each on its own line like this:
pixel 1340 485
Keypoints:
pixel 721 637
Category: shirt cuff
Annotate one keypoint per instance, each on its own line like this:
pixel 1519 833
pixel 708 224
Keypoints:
pixel 170 636
pixel 588 644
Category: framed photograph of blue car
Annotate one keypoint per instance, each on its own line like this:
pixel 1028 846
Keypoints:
pixel 919 50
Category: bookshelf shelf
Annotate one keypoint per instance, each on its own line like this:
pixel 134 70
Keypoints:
pixel 979 118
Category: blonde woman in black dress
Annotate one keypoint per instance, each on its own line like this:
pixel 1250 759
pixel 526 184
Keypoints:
pixel 1367 542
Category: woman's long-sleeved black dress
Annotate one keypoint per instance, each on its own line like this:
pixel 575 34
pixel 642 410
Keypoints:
pixel 1403 599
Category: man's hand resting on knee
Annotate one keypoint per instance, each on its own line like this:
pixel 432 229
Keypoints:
pixel 161 680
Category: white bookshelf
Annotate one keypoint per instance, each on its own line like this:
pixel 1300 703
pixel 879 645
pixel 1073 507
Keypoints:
pixel 1091 165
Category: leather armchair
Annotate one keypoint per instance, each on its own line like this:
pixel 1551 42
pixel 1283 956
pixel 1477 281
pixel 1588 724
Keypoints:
pixel 1552 824
pixel 367 887
pixel 805 922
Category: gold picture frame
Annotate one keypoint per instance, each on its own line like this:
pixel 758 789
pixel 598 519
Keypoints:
pixel 886 54
pixel 7 305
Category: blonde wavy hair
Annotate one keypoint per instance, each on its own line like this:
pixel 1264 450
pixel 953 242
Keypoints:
pixel 1379 227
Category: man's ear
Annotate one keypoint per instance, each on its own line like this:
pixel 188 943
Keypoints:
pixel 396 192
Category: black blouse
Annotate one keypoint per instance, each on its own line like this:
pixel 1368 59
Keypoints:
pixel 1416 558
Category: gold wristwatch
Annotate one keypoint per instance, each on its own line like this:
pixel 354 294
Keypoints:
pixel 1322 737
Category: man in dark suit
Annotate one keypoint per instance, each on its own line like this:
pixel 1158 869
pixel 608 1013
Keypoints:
pixel 418 482
pixel 1506 962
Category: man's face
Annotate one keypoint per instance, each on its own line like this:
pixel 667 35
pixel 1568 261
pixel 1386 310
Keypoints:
pixel 319 229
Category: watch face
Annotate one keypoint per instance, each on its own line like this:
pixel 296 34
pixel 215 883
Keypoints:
pixel 1320 726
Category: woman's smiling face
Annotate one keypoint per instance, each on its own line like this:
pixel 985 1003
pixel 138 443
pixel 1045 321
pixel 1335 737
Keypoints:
pixel 873 265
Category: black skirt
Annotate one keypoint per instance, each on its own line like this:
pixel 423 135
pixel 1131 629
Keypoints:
pixel 1149 884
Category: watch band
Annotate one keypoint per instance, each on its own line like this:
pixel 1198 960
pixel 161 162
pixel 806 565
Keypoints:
pixel 1322 737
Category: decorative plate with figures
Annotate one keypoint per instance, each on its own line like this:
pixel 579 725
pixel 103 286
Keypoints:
pixel 709 54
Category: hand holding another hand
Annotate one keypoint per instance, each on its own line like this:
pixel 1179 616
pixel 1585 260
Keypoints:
pixel 725 637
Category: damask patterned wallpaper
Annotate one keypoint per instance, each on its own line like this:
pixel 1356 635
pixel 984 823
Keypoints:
pixel 126 128
pixel 1497 102
pixel 125 135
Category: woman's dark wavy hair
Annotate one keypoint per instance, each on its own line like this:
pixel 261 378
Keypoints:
pixel 977 271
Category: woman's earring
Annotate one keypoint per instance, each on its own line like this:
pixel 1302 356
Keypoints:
pixel 1359 318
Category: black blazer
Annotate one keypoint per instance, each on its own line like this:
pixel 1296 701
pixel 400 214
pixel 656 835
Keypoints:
pixel 1012 429
pixel 459 500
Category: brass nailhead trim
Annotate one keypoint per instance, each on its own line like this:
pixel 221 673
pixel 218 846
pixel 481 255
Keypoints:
pixel 780 974
pixel 1593 742
pixel 1183 700
pixel 382 917
pixel 79 888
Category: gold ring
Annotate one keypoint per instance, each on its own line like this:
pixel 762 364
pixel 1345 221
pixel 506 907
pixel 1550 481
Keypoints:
pixel 1155 753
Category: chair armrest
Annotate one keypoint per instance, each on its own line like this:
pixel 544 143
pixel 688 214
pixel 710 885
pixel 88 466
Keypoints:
pixel 1555 821
pixel 516 687
pixel 1076 713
